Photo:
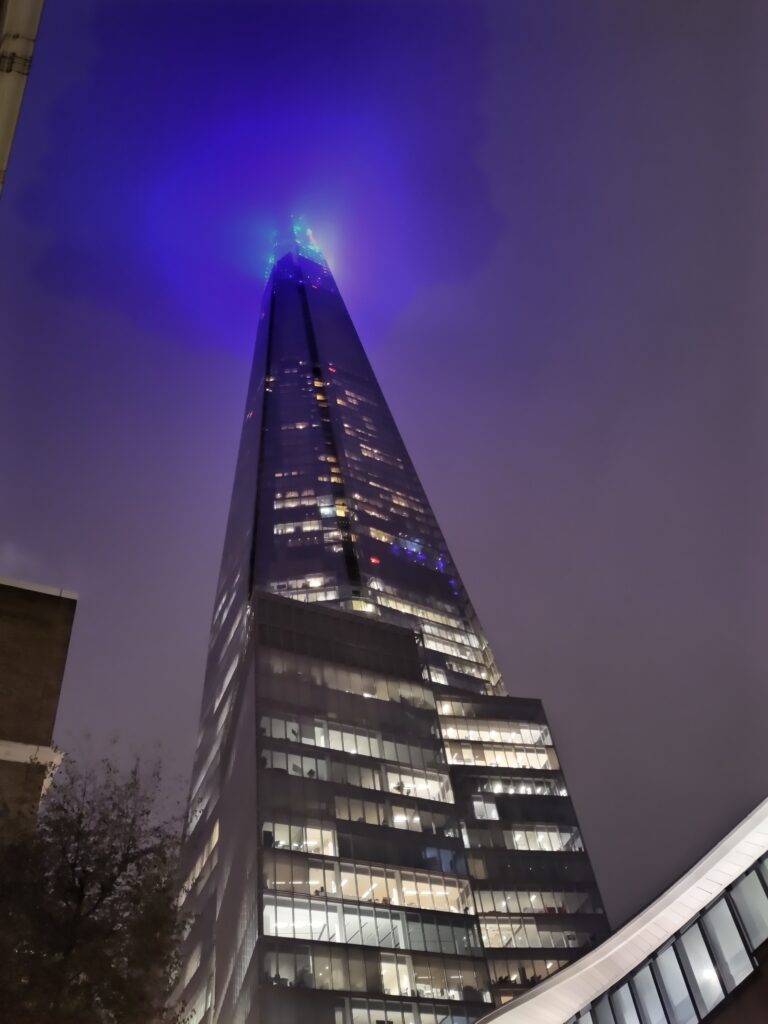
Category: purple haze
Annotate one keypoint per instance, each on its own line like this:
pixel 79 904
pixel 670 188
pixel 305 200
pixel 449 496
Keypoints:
pixel 549 223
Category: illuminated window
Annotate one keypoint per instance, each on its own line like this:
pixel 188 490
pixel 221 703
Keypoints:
pixel 485 809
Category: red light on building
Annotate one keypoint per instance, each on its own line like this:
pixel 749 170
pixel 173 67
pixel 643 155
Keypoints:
pixel 375 560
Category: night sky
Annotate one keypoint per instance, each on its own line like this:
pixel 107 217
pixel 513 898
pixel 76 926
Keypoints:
pixel 548 220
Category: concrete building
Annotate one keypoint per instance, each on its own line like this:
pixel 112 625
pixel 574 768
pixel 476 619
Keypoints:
pixel 35 626
pixel 19 20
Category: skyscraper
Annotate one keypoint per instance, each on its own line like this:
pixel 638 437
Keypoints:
pixel 377 831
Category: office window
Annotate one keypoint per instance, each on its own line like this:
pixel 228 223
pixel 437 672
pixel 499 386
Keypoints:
pixel 308 838
pixel 485 809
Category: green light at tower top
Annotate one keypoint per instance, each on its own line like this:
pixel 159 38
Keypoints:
pixel 299 240
pixel 305 241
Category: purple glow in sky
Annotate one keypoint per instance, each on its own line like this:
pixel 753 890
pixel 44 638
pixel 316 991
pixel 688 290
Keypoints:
pixel 548 221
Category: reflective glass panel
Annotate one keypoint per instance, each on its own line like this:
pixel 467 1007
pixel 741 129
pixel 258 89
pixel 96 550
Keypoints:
pixel 624 1007
pixel 728 949
pixel 602 1012
pixel 673 989
pixel 752 905
pixel 648 1000
pixel 700 970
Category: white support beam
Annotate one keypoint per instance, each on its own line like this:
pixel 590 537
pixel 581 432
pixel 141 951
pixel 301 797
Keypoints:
pixel 560 997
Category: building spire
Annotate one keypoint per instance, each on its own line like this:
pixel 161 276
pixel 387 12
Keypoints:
pixel 296 238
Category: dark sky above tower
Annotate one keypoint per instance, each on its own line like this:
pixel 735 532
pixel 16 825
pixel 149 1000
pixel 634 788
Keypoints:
pixel 548 221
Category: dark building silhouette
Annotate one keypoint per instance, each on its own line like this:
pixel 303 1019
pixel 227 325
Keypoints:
pixel 35 626
pixel 19 20
pixel 377 831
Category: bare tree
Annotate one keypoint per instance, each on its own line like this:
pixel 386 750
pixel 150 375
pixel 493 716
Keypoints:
pixel 89 929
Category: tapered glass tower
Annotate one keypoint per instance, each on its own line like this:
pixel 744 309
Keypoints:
pixel 377 831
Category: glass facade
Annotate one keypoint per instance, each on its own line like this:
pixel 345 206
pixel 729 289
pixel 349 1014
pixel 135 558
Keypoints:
pixel 688 979
pixel 374 824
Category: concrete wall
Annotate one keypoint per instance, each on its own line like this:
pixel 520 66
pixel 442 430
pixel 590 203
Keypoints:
pixel 35 627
